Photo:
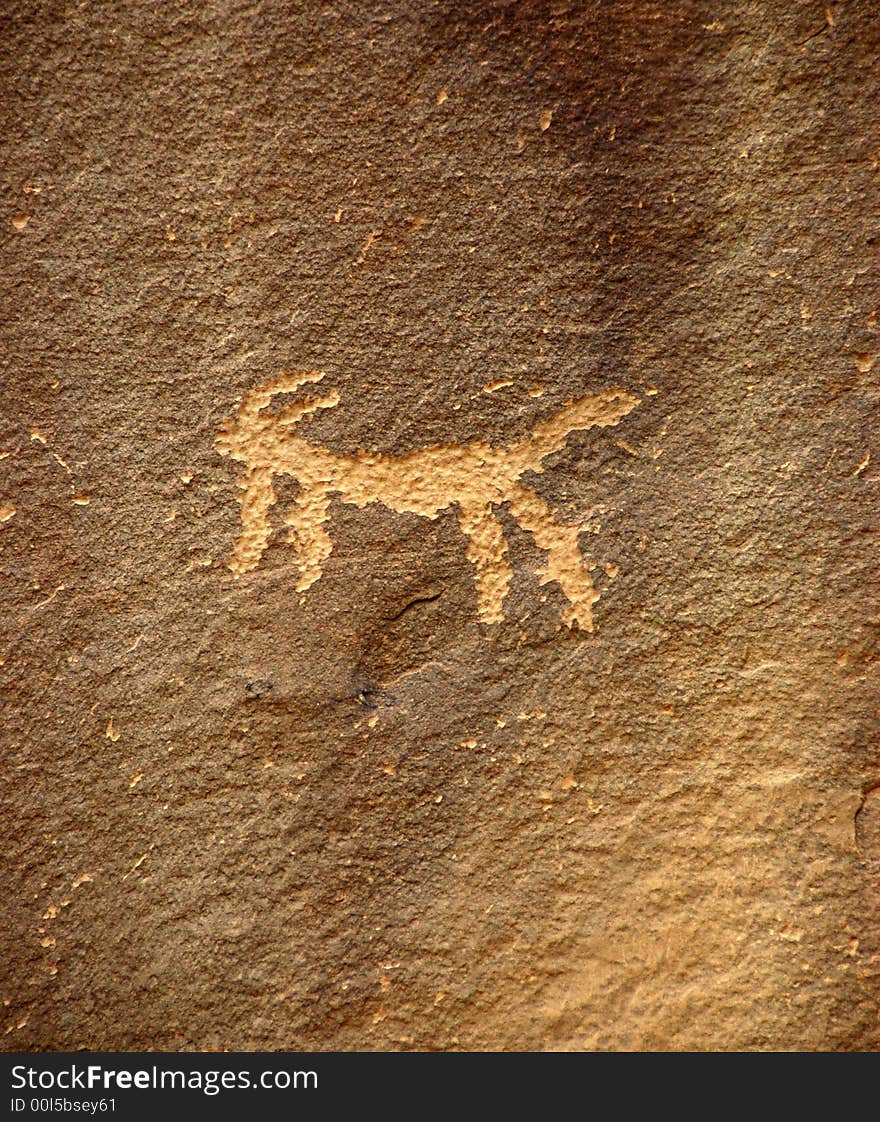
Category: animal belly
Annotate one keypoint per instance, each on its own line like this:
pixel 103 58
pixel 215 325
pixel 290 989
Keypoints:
pixel 400 486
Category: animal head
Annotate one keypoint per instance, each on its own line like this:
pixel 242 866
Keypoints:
pixel 236 433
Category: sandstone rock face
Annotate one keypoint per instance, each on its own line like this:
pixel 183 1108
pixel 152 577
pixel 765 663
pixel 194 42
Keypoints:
pixel 439 525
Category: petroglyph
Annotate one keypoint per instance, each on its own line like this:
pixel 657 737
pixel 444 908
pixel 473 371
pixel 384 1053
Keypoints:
pixel 472 479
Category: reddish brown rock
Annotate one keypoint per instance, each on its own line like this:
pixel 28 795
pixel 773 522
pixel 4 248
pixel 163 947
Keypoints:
pixel 368 812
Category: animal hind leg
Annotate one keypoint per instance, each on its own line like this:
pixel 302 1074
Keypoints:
pixel 487 549
pixel 306 533
pixel 564 561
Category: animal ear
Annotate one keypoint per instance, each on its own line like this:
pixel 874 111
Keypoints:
pixel 297 409
pixel 329 401
pixel 286 382
pixel 224 437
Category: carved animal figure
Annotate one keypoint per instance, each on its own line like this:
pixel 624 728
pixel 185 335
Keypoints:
pixel 471 479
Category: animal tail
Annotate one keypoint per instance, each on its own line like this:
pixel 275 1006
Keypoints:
pixel 592 410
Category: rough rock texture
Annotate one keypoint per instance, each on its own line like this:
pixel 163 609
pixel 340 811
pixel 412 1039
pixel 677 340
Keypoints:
pixel 336 799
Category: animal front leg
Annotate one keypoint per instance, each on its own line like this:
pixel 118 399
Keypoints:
pixel 564 561
pixel 256 496
pixel 307 535
pixel 487 549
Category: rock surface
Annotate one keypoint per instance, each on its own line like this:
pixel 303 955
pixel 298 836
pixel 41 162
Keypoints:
pixel 353 803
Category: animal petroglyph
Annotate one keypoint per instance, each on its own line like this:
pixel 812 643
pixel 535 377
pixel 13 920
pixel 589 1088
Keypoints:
pixel 471 479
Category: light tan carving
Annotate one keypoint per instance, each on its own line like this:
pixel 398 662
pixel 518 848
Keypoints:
pixel 471 479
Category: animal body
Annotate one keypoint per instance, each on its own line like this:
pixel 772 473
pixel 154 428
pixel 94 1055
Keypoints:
pixel 471 479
